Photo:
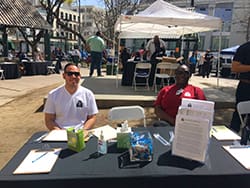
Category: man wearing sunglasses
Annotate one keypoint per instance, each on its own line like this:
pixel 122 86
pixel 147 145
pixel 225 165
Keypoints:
pixel 169 97
pixel 70 105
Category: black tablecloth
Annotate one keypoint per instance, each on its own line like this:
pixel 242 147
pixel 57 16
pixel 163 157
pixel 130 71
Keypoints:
pixel 128 73
pixel 11 70
pixel 86 169
pixel 36 68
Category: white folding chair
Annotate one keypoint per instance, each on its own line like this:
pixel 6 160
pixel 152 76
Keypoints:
pixel 142 71
pixel 127 113
pixel 243 109
pixel 164 71
pixel 2 74
pixel 52 68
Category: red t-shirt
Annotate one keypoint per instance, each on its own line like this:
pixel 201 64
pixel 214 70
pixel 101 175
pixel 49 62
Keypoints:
pixel 169 100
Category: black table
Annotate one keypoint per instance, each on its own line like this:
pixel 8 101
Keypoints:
pixel 11 70
pixel 36 68
pixel 86 169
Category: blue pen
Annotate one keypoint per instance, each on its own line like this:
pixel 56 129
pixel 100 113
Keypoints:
pixel 40 157
pixel 239 146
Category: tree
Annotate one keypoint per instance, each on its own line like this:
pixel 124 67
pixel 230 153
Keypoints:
pixel 52 8
pixel 36 37
pixel 105 21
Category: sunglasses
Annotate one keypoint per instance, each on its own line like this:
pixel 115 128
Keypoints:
pixel 73 73
pixel 182 72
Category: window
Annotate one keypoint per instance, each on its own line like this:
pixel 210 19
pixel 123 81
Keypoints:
pixel 215 42
pixel 89 24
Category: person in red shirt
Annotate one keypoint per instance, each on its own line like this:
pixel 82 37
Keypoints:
pixel 169 97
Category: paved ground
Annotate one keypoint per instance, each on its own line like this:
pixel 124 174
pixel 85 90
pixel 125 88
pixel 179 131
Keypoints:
pixel 220 90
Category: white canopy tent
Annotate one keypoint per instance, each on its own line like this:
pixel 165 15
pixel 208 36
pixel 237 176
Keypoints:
pixel 165 20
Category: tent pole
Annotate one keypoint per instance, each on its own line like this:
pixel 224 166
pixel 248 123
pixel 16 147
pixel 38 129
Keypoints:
pixel 118 63
pixel 118 53
pixel 218 62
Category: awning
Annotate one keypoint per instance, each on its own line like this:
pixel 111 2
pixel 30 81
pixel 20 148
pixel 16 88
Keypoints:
pixel 21 13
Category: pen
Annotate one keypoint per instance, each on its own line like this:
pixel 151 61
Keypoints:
pixel 214 129
pixel 40 157
pixel 40 138
pixel 239 146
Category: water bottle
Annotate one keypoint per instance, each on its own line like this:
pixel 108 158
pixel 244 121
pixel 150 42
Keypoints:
pixel 102 144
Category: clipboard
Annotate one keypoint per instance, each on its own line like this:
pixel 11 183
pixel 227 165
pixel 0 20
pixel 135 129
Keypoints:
pixel 38 161
pixel 240 153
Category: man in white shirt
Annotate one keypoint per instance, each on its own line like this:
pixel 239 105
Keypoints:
pixel 70 105
pixel 154 46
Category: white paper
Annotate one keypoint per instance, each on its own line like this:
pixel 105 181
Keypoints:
pixel 57 135
pixel 38 162
pixel 198 104
pixel 223 133
pixel 191 137
pixel 108 132
pixel 241 154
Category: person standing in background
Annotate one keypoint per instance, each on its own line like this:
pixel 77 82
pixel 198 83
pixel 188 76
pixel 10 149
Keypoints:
pixel 192 62
pixel 97 46
pixel 76 55
pixel 155 48
pixel 241 64
pixel 125 55
pixel 207 64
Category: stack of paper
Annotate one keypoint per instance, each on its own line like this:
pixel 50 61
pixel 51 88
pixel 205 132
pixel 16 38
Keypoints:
pixel 192 129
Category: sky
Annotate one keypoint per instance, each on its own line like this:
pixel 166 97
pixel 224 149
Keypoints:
pixel 97 3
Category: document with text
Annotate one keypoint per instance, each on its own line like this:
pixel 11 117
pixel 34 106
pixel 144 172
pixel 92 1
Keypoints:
pixel 198 104
pixel 201 113
pixel 191 137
